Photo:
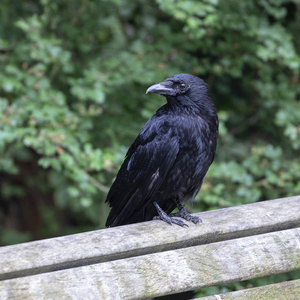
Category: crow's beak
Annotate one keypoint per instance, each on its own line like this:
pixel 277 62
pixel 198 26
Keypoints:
pixel 162 88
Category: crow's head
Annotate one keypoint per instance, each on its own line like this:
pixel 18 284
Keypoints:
pixel 185 88
pixel 187 92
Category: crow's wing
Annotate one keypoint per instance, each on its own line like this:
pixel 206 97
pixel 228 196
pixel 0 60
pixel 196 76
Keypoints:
pixel 147 164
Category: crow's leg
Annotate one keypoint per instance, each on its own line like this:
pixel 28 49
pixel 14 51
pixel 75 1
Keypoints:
pixel 164 217
pixel 184 214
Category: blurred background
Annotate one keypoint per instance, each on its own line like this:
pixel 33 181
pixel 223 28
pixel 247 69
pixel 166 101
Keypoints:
pixel 73 76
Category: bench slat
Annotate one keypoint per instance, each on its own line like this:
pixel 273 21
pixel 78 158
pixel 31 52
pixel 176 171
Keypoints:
pixel 147 237
pixel 166 272
pixel 279 291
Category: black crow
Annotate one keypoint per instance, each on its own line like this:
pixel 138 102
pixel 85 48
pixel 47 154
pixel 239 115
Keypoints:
pixel 165 166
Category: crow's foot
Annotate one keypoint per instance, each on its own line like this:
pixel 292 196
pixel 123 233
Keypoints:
pixel 164 217
pixel 185 215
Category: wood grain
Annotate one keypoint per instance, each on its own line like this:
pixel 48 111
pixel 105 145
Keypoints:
pixel 287 290
pixel 165 272
pixel 148 237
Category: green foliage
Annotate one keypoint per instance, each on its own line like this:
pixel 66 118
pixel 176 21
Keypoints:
pixel 72 82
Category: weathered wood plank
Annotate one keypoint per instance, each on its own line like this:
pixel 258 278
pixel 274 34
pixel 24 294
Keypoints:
pixel 165 272
pixel 287 290
pixel 147 237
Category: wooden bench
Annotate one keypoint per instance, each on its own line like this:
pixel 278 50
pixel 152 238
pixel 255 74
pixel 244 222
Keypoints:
pixel 151 259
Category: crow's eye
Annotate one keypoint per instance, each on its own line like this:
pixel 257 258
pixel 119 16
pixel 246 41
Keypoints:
pixel 182 86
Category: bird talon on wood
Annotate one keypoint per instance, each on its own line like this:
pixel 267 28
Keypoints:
pixel 185 215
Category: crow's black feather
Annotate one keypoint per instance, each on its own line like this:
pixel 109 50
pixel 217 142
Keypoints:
pixel 168 160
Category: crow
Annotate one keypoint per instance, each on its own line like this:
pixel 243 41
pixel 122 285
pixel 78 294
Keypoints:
pixel 165 166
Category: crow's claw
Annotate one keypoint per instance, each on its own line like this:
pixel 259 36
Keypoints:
pixel 171 220
pixel 164 217
pixel 185 215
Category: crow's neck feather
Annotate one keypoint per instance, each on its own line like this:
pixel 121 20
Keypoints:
pixel 203 106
